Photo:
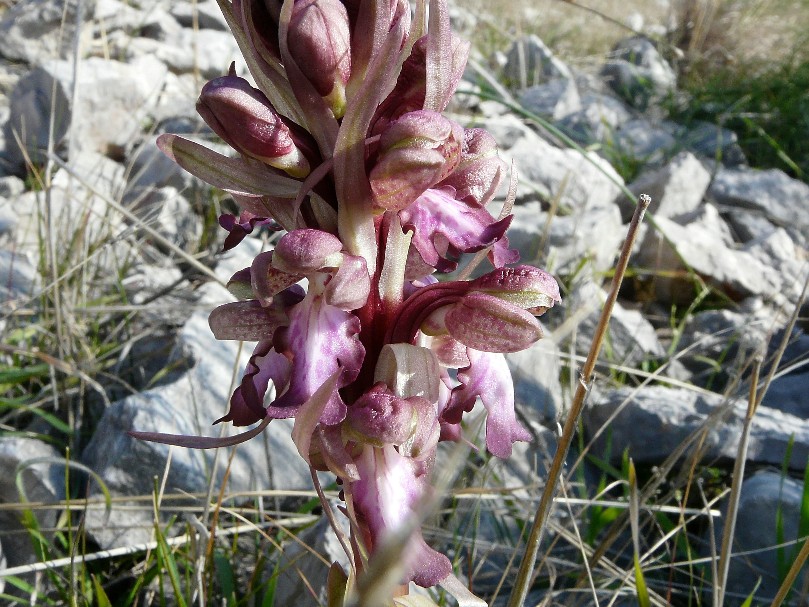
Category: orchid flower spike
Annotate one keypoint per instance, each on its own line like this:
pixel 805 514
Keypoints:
pixel 343 146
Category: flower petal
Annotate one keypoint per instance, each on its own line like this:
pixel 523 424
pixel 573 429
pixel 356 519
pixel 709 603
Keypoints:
pixel 321 339
pixel 389 489
pixel 436 215
pixel 247 401
pixel 489 377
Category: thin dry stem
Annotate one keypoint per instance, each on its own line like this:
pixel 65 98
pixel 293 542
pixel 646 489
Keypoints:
pixel 526 571
pixel 735 489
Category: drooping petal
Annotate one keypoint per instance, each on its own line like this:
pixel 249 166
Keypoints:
pixel 389 489
pixel 436 215
pixel 489 377
pixel 247 402
pixel 310 413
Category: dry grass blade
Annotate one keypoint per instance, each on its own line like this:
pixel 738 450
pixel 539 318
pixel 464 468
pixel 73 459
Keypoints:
pixel 735 491
pixel 526 571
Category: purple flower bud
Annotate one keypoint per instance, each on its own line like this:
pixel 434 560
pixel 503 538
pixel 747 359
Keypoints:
pixel 530 288
pixel 306 250
pixel 479 171
pixel 319 42
pixel 489 324
pixel 416 152
pixel 247 121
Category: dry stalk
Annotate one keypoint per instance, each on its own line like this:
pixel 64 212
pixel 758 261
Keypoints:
pixel 526 571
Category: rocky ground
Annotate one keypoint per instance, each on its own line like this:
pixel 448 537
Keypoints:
pixel 716 275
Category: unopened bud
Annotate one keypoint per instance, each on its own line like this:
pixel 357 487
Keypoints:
pixel 479 171
pixel 487 323
pixel 416 152
pixel 247 121
pixel 319 42
pixel 530 288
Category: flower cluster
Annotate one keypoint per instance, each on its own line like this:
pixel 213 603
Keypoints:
pixel 342 145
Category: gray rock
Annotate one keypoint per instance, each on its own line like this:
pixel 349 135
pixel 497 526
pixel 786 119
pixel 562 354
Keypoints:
pixel 637 72
pixel 507 130
pixel 778 251
pixel 170 213
pixel 529 61
pixel 764 496
pixel 772 193
pixel 555 99
pixel 207 52
pixel 19 280
pixel 747 225
pixel 175 110
pixel 93 172
pixel 205 15
pixel 631 339
pixel 702 245
pixel 37 30
pixel 714 142
pixel 598 119
pixel 42 481
pixel 113 17
pixel 715 344
pixel 109 92
pixel 10 187
pixel 536 371
pixel 560 245
pixel 582 183
pixel 644 141
pixel 676 188
pixel 790 394
pixel 653 422
pixel 187 406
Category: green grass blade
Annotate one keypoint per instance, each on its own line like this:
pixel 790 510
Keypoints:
pixel 169 564
pixel 101 598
